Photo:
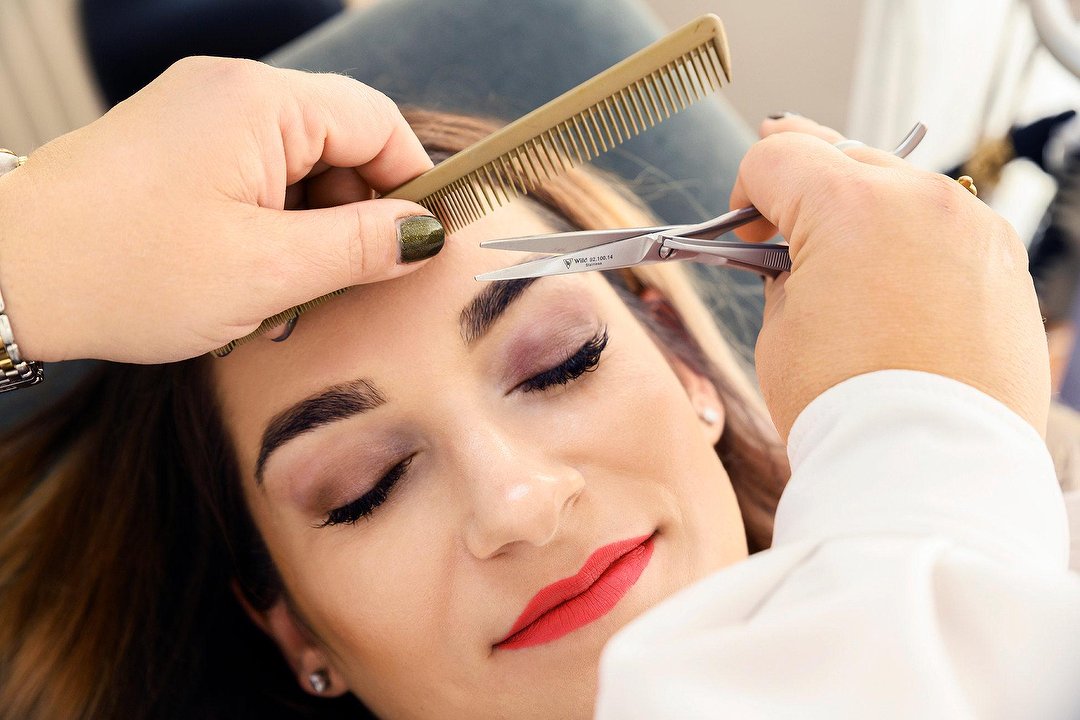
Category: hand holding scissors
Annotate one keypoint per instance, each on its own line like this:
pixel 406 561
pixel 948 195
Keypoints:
pixel 898 268
pixel 610 249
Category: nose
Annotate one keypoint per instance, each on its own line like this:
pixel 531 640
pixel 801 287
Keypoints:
pixel 519 493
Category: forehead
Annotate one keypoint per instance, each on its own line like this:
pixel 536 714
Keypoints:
pixel 399 323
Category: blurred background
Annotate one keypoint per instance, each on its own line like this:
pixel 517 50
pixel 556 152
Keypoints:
pixel 995 80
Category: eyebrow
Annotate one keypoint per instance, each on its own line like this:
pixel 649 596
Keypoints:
pixel 334 403
pixel 348 399
pixel 488 306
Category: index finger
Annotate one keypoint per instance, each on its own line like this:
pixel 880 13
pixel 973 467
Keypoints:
pixel 339 121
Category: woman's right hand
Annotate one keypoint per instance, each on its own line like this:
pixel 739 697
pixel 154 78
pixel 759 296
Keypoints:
pixel 892 268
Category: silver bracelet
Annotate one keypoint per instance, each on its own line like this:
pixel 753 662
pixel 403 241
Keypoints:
pixel 15 372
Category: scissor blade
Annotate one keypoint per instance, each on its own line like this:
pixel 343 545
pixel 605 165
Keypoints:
pixel 569 241
pixel 619 254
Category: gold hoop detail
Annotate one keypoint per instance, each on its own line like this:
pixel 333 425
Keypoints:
pixel 968 184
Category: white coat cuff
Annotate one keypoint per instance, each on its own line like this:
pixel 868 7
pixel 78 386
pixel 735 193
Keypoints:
pixel 908 452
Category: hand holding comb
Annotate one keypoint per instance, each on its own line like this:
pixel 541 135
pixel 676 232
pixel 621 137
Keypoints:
pixel 622 101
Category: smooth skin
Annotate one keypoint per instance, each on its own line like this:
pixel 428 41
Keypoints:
pixel 508 490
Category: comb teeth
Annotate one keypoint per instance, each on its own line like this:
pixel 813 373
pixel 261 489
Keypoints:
pixel 606 110
pixel 583 136
pixel 275 320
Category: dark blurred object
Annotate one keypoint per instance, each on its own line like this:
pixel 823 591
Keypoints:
pixel 1053 144
pixel 1055 265
pixel 131 42
pixel 1034 140
pixel 1038 142
pixel 1055 251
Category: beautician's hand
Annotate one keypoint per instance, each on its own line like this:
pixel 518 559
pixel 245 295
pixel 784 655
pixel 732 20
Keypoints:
pixel 892 267
pixel 158 232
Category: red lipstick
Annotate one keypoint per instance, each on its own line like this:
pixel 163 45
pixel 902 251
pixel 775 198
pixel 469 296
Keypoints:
pixel 570 603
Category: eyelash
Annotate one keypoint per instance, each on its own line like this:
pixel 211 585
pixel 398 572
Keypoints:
pixel 365 504
pixel 585 360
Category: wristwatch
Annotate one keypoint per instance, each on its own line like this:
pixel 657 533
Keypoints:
pixel 15 372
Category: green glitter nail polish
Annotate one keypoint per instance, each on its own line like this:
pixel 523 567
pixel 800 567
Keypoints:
pixel 420 237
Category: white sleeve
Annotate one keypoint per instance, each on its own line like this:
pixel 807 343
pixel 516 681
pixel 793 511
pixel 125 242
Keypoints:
pixel 918 570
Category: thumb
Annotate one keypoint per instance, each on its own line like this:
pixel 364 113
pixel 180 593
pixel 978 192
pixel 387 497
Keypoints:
pixel 319 251
pixel 788 177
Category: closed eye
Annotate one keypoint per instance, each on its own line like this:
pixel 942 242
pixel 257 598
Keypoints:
pixel 364 505
pixel 586 359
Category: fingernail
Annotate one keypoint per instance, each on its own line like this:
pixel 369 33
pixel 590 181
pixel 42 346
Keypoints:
pixel 420 237
pixel 782 115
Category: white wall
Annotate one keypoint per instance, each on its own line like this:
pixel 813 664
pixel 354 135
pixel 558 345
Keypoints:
pixel 785 54
pixel 45 83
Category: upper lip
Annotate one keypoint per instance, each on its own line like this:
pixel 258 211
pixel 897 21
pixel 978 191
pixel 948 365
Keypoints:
pixel 568 588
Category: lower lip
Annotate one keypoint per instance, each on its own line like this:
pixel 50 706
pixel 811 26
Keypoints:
pixel 600 599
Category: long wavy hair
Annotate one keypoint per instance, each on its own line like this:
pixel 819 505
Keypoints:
pixel 124 536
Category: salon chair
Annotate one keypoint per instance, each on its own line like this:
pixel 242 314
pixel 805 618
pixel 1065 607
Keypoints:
pixel 502 59
pixel 130 42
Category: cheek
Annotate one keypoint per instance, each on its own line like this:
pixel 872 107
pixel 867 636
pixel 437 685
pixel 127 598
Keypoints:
pixel 641 447
pixel 631 417
pixel 376 604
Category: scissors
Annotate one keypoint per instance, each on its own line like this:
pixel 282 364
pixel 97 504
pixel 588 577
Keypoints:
pixel 610 249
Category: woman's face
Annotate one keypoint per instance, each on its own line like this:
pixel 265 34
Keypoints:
pixel 437 454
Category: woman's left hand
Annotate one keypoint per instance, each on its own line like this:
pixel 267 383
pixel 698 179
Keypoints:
pixel 177 222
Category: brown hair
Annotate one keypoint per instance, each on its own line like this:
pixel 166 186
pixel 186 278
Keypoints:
pixel 123 526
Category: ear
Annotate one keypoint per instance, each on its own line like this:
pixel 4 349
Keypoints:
pixel 700 389
pixel 704 398
pixel 299 649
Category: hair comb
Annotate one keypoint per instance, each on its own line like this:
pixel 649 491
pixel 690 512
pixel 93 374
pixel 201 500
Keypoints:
pixel 623 101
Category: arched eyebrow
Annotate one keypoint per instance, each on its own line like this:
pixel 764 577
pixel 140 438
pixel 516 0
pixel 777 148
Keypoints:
pixel 489 304
pixel 345 400
pixel 336 402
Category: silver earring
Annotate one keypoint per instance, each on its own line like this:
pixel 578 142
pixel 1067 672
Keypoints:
pixel 709 415
pixel 319 680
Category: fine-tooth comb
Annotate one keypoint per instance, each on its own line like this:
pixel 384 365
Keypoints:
pixel 623 101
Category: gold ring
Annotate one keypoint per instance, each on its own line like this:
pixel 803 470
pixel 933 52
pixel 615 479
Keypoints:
pixel 969 184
